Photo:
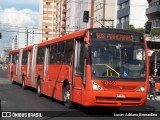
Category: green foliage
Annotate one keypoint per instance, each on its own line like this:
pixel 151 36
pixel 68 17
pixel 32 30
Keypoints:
pixel 132 28
pixel 154 31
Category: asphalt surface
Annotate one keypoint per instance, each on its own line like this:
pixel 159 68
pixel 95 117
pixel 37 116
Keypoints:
pixel 15 99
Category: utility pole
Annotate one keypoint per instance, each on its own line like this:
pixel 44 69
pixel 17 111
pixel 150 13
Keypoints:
pixel 104 9
pixel 92 13
pixel 108 22
pixel 26 36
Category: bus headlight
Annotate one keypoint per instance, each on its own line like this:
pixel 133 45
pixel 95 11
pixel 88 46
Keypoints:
pixel 141 89
pixel 96 86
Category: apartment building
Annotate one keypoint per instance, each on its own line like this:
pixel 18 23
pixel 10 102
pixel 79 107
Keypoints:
pixel 131 12
pixel 153 12
pixel 62 9
pixel 49 19
pixel 105 13
pixel 60 17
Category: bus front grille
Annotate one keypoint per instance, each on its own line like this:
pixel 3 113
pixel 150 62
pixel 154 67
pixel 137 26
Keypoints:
pixel 118 99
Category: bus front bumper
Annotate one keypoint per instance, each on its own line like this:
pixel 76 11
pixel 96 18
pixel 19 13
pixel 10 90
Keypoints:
pixel 103 98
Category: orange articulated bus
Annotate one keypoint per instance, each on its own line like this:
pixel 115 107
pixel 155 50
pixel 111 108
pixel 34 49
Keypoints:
pixel 91 67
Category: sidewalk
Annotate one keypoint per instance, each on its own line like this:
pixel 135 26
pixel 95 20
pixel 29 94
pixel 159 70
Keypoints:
pixel 5 81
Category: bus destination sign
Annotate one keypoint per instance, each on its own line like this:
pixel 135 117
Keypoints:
pixel 114 36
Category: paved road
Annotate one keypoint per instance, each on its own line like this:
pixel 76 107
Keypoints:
pixel 14 98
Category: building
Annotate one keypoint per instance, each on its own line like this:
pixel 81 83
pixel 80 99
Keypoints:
pixel 49 19
pixel 25 37
pixel 131 12
pixel 60 17
pixel 62 9
pixel 5 56
pixel 74 15
pixel 153 12
pixel 15 43
pixel 102 14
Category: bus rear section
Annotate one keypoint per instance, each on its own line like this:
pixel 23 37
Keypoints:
pixel 115 71
pixel 13 66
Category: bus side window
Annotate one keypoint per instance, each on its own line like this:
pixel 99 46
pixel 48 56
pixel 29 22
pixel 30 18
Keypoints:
pixel 53 53
pixel 60 53
pixel 40 55
pixel 24 57
pixel 69 52
pixel 15 58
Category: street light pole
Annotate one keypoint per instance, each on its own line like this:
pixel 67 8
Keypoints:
pixel 92 13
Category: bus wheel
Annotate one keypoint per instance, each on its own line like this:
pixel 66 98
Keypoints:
pixel 39 88
pixel 23 82
pixel 67 96
pixel 12 80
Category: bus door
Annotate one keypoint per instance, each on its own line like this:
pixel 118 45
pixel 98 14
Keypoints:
pixel 33 66
pixel 28 73
pixel 78 73
pixel 19 66
pixel 10 64
pixel 46 80
pixel 14 66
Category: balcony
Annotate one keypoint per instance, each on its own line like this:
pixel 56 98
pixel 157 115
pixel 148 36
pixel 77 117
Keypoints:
pixel 64 18
pixel 153 12
pixel 64 11
pixel 122 1
pixel 63 33
pixel 63 26
pixel 156 24
pixel 123 12
pixel 64 3
pixel 122 25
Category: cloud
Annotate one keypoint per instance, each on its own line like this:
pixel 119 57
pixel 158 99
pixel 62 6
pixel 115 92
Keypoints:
pixel 14 17
pixel 11 17
pixel 20 1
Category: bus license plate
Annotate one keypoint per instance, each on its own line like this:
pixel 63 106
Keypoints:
pixel 121 96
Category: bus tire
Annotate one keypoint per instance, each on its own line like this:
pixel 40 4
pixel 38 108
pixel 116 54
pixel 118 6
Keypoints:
pixel 23 82
pixel 39 88
pixel 67 97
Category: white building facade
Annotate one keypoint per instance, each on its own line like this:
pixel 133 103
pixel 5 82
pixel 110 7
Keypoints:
pixel 74 15
pixel 105 13
pixel 131 12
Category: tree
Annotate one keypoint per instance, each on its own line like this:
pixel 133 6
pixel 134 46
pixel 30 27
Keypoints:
pixel 155 32
pixel 132 28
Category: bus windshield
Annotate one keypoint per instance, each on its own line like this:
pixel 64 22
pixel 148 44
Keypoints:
pixel 118 60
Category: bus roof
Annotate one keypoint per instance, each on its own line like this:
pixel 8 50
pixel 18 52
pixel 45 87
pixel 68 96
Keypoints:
pixel 114 30
pixel 65 37
pixel 78 34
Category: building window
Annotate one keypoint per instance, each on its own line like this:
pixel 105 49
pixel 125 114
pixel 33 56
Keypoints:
pixel 123 5
pixel 48 3
pixel 123 19
pixel 40 55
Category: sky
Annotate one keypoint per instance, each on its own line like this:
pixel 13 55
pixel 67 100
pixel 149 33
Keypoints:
pixel 15 15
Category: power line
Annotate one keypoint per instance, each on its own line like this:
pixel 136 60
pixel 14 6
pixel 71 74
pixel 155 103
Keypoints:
pixel 100 3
